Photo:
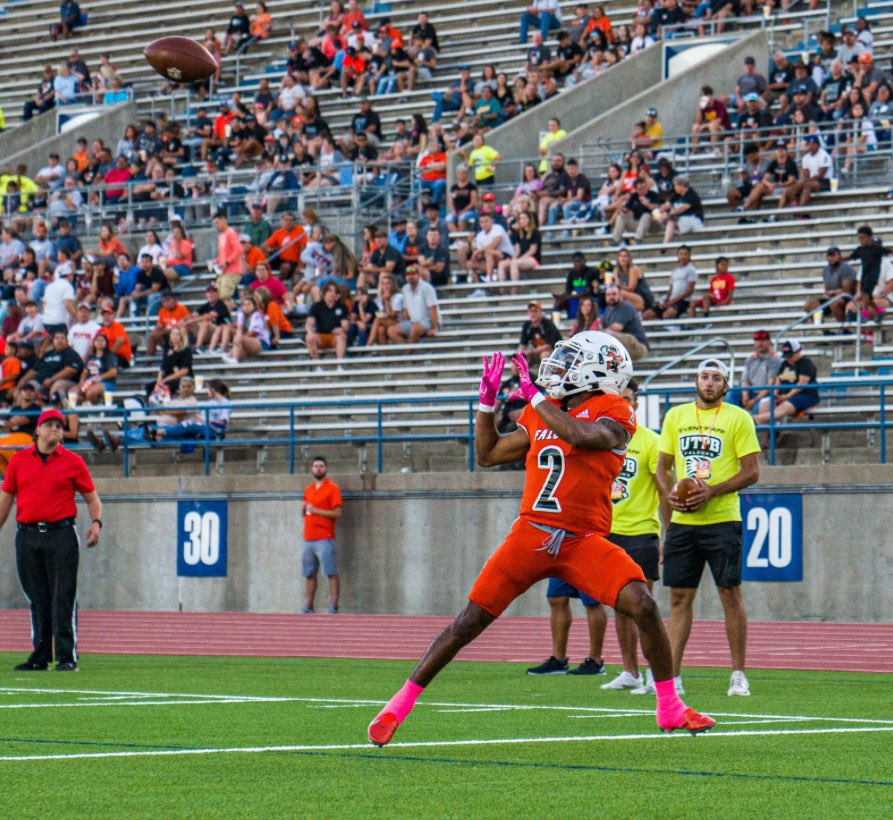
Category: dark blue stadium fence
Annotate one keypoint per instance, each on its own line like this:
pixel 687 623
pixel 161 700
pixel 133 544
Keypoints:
pixel 293 438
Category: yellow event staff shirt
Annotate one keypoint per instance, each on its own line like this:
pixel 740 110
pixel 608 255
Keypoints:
pixel 634 492
pixel 709 450
pixel 545 142
pixel 480 160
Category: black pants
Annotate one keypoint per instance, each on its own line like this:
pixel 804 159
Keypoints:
pixel 48 571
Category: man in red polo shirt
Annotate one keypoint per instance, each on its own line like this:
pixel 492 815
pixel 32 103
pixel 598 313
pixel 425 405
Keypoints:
pixel 321 506
pixel 43 481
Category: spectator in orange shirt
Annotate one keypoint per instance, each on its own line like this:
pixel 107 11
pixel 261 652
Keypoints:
pixel 82 155
pixel 599 22
pixel 354 15
pixel 388 35
pixel 119 341
pixel 10 370
pixel 353 71
pixel 280 327
pixel 722 288
pixel 287 244
pixel 218 131
pixel 432 170
pixel 252 256
pixel 321 507
pixel 261 26
pixel 171 314
pixel 109 244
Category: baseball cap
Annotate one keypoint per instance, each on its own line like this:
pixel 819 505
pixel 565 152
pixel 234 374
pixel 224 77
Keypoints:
pixel 107 309
pixel 50 415
pixel 832 249
pixel 749 60
pixel 651 112
pixel 714 365
pixel 751 98
pixel 30 385
pixel 865 57
pixel 781 144
pixel 536 305
pixel 790 346
pixel 761 336
pixel 813 138
pixel 243 237
pixel 464 67
pixel 84 305
pixel 489 197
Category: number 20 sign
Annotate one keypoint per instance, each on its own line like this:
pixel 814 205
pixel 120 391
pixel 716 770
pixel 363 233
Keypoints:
pixel 201 538
pixel 773 536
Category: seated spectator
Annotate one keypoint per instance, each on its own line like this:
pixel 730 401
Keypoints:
pixel 70 18
pixel 238 32
pixel 263 278
pixel 621 320
pixel 100 372
pixel 760 370
pixel 362 319
pixel 684 212
pixel 755 121
pixel 751 174
pixel 488 113
pixel 205 319
pixel 66 86
pixel 150 283
pixel 636 212
pixel 633 286
pixel 434 258
pixel 574 205
pixel 177 254
pixel 815 176
pixel 119 341
pixel 421 314
pixel 10 372
pixel 388 310
pixel 19 423
pixel 44 98
pixel 857 136
pixel 284 247
pixel 491 246
pixel 83 331
pixel 252 334
pixel 711 118
pixel 432 171
pixel 780 174
pixel 451 99
pixel 30 327
pixel 259 29
pixel 384 259
pixel 683 279
pixel 720 292
pixel 171 314
pixel 581 281
pixel 799 375
pixel 207 426
pixel 538 334
pixel 463 202
pixel 527 247
pixel 555 185
pixel 176 363
pixel 58 368
pixel 542 14
pixel 587 317
pixel 327 325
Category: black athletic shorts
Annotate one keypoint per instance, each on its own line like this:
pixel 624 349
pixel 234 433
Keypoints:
pixel 643 549
pixel 687 548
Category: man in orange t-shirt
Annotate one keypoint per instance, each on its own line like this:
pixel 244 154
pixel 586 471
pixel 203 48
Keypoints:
pixel 573 443
pixel 321 506
pixel 170 314
pixel 289 241
pixel 119 341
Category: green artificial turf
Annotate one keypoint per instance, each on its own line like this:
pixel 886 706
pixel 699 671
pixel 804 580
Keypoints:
pixel 145 706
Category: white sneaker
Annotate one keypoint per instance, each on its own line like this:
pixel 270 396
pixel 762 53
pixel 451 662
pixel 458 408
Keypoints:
pixel 647 688
pixel 625 680
pixel 739 685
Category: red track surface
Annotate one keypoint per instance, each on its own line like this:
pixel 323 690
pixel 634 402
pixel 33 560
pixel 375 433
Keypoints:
pixel 822 646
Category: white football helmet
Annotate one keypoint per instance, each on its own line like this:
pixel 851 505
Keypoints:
pixel 591 360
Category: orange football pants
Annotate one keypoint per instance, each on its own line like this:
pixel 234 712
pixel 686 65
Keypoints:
pixel 588 562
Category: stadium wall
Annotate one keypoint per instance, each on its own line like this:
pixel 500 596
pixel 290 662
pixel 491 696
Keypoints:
pixel 413 543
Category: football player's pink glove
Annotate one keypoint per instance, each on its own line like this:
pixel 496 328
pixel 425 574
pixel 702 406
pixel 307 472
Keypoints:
pixel 528 390
pixel 491 379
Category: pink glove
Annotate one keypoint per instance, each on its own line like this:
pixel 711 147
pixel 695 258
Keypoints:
pixel 528 390
pixel 491 379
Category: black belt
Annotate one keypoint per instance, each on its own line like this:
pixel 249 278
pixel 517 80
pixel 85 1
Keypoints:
pixel 47 526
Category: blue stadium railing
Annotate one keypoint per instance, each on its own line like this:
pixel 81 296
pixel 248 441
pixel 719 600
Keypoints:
pixel 831 392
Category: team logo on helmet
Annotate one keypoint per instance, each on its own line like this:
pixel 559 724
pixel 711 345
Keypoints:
pixel 613 357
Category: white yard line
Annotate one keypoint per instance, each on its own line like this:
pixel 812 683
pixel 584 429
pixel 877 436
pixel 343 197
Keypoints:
pixel 428 744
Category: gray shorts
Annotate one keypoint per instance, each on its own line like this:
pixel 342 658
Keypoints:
pixel 406 325
pixel 316 553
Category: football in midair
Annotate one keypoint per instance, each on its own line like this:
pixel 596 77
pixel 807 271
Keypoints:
pixel 180 59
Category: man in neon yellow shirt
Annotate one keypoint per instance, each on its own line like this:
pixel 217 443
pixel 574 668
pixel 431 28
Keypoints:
pixel 636 528
pixel 554 132
pixel 481 159
pixel 716 443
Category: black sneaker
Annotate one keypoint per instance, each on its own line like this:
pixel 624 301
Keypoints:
pixel 31 666
pixel 589 667
pixel 553 666
pixel 67 666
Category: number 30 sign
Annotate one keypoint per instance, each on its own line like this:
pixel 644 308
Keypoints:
pixel 201 538
pixel 773 536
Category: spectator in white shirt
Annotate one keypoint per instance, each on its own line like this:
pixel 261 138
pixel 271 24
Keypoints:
pixel 66 86
pixel 814 177
pixel 290 93
pixel 42 247
pixel 83 331
pixel 11 250
pixel 421 314
pixel 52 174
pixel 491 246
pixel 58 301
pixel 542 14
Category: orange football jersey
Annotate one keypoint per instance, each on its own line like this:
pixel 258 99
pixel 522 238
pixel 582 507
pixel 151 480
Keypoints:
pixel 568 487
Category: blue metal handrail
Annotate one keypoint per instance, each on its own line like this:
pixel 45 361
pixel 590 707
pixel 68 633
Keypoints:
pixel 377 408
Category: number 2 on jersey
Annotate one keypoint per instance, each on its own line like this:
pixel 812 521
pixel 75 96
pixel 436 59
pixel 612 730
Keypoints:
pixel 551 459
